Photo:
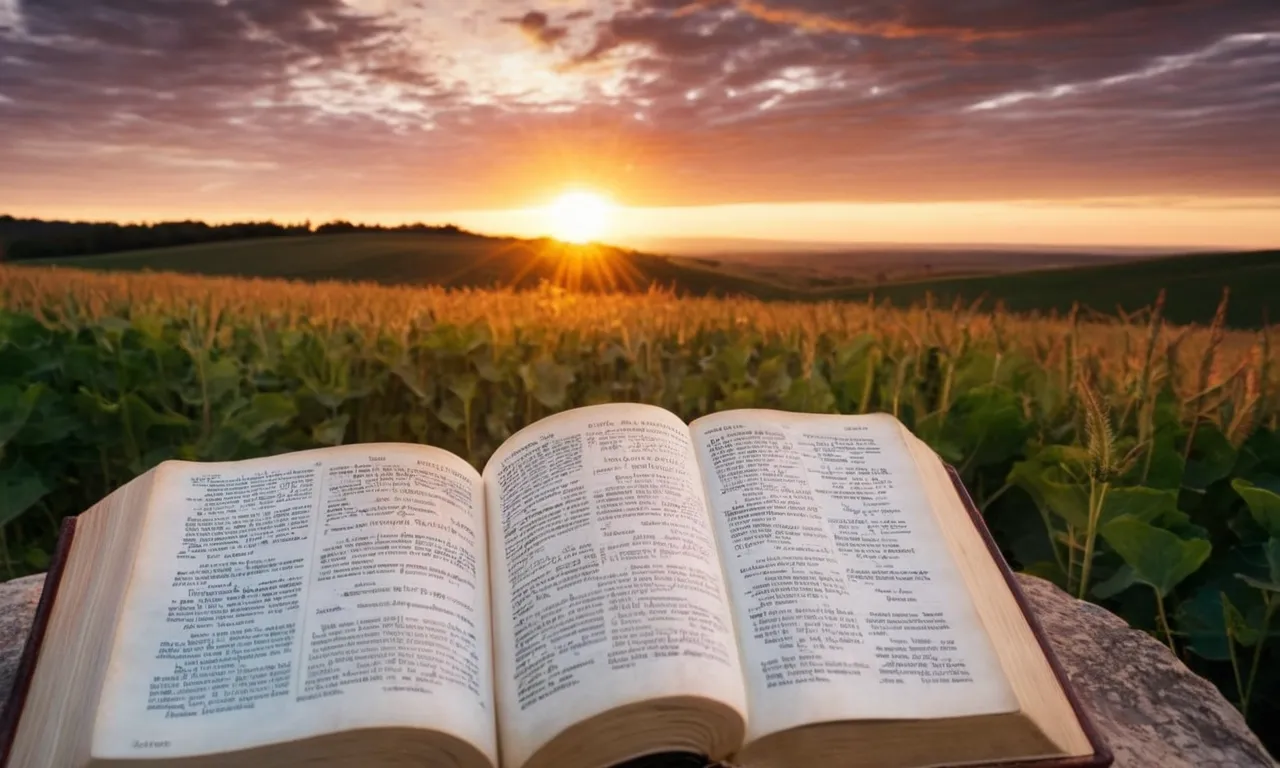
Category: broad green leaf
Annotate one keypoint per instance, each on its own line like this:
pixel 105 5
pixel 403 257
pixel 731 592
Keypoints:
pixel 772 379
pixel 142 417
pixel 331 431
pixel 20 488
pixel 1263 504
pixel 547 381
pixel 222 377
pixel 1122 579
pixel 1200 619
pixel 464 386
pixel 414 379
pixel 1265 586
pixel 987 426
pixel 1150 505
pixel 1272 551
pixel 1161 466
pixel 1047 570
pixel 452 414
pixel 266 411
pixel 16 405
pixel 1054 490
pixel 37 559
pixel 811 395
pixel 1238 629
pixel 1158 558
pixel 51 421
pixel 1212 457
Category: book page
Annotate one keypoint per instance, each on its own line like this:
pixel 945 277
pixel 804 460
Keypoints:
pixel 848 602
pixel 606 585
pixel 281 598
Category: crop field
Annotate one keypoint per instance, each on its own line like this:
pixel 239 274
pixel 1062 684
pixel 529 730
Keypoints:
pixel 1100 284
pixel 1132 461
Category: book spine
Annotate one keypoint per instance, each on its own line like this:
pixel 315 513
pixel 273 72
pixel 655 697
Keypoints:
pixel 35 640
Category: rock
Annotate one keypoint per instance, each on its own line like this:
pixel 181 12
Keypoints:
pixel 18 600
pixel 1151 709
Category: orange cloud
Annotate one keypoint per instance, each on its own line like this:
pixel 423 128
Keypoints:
pixel 817 22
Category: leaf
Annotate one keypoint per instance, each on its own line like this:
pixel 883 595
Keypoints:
pixel 266 411
pixel 1053 490
pixel 331 431
pixel 452 414
pixel 1263 504
pixel 1237 628
pixel 1158 558
pixel 20 488
pixel 1047 570
pixel 51 421
pixel 988 426
pixel 1150 505
pixel 15 408
pixel 1212 458
pixel 772 379
pixel 547 381
pixel 142 417
pixel 464 386
pixel 37 559
pixel 1122 579
pixel 1200 619
pixel 222 377
pixel 1271 549
pixel 1265 586
pixel 1165 468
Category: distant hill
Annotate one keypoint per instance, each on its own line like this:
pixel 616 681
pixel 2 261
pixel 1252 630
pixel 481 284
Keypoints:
pixel 1193 282
pixel 1193 285
pixel 433 259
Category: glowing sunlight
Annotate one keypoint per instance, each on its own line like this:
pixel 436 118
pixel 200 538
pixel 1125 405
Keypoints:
pixel 579 217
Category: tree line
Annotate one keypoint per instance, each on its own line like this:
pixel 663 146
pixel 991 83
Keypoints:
pixel 34 239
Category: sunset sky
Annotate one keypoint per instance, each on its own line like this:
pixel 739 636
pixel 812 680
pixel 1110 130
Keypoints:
pixel 1121 122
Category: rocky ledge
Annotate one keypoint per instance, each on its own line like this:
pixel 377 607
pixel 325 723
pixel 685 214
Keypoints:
pixel 1151 709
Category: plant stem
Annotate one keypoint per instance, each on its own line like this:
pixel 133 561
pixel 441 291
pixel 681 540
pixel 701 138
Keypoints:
pixel 1257 654
pixel 1097 494
pixel 1164 621
pixel 1243 704
pixel 4 551
pixel 997 494
pixel 1071 556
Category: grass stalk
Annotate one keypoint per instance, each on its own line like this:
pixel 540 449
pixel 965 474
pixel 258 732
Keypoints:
pixel 1271 604
pixel 1097 497
pixel 1163 621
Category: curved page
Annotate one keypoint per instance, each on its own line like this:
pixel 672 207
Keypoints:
pixel 606 585
pixel 281 598
pixel 848 602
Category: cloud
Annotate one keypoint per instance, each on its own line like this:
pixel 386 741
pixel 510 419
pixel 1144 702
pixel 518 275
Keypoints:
pixel 407 104
pixel 537 26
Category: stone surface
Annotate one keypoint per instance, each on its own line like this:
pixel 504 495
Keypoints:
pixel 1151 709
pixel 18 600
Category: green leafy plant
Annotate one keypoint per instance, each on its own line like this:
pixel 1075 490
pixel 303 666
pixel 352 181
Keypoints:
pixel 1134 463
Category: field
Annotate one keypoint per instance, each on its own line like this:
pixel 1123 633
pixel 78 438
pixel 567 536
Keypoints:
pixel 454 261
pixel 1132 461
pixel 1193 285
pixel 1193 282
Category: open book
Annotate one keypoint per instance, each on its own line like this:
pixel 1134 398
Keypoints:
pixel 765 588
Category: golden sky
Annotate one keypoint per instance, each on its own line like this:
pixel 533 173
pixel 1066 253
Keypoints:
pixel 929 121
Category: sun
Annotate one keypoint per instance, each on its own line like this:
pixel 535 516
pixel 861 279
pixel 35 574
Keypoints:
pixel 579 217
